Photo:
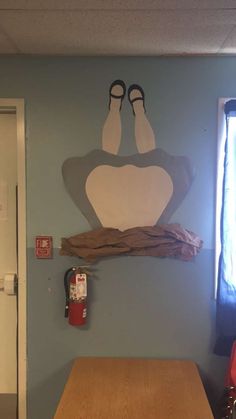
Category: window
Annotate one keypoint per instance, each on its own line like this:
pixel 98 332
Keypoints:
pixel 219 181
pixel 225 236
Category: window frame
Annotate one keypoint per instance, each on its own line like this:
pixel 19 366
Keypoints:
pixel 221 136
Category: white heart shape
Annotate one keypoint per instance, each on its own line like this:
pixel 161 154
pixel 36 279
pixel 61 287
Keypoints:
pixel 128 196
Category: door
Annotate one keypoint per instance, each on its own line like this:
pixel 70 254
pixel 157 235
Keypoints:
pixel 8 264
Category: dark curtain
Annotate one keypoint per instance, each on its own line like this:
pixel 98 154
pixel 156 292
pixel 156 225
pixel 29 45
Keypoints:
pixel 226 294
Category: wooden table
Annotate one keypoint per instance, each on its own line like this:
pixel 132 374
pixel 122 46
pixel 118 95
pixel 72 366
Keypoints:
pixel 112 388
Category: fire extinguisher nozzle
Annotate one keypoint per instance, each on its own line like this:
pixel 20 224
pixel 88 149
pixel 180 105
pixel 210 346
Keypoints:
pixel 66 311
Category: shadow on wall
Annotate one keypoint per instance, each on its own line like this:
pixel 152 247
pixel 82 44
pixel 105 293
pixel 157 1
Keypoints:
pixel 211 378
pixel 47 394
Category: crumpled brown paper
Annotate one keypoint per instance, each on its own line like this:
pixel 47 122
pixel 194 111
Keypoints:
pixel 164 240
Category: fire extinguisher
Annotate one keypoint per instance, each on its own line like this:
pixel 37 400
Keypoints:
pixel 75 283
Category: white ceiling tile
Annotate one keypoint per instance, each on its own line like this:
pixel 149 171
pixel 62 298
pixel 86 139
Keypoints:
pixel 133 33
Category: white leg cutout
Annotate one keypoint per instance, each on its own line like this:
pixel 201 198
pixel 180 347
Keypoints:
pixel 111 134
pixel 144 135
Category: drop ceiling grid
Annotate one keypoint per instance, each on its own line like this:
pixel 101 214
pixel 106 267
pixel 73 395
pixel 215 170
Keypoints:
pixel 117 32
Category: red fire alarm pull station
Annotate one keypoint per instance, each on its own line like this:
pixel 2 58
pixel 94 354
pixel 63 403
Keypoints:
pixel 43 247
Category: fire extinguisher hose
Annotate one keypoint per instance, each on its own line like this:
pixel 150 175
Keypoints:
pixel 67 288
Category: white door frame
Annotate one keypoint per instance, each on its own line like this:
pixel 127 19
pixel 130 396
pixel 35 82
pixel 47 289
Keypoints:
pixel 17 105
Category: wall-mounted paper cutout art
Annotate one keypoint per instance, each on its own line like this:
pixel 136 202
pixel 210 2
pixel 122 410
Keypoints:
pixel 163 240
pixel 127 191
pixel 118 200
pixel 101 187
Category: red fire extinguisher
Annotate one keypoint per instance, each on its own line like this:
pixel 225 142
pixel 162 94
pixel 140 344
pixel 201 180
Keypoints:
pixel 75 282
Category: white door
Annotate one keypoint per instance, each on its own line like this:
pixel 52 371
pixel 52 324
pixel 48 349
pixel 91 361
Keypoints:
pixel 8 253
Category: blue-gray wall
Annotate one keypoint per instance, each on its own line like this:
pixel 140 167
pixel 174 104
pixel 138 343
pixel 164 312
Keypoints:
pixel 142 307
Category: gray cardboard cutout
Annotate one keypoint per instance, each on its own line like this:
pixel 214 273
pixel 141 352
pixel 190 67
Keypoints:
pixel 76 170
pixel 90 179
